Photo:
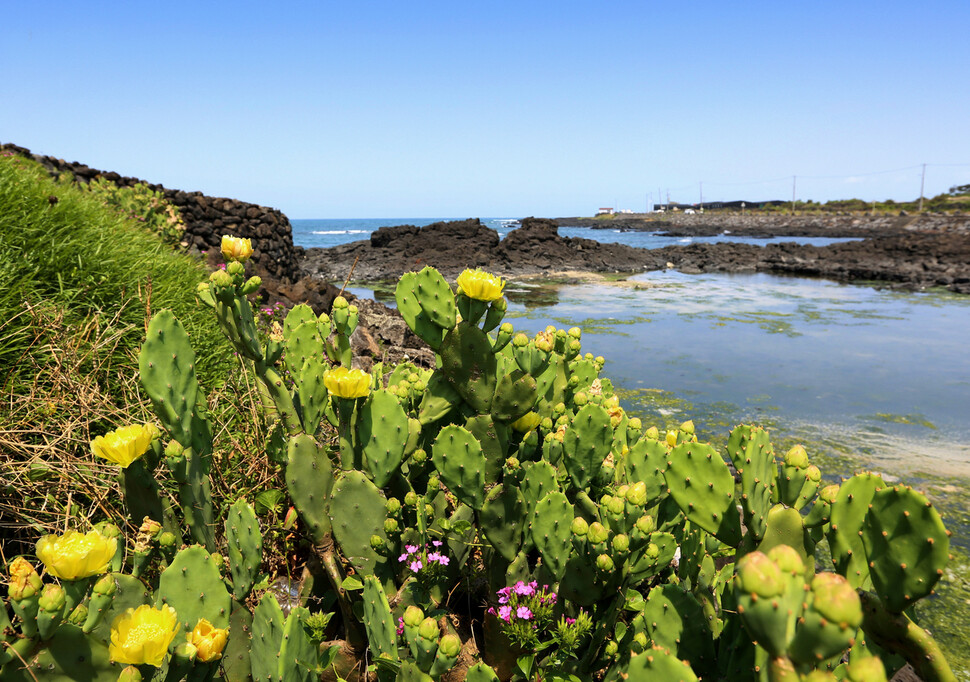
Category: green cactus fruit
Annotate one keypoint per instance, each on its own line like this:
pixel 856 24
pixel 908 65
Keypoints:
pixel 166 364
pixel 868 669
pixel 357 509
pixel 378 620
pixel 605 563
pixel 551 531
pixel 658 664
pixel 754 458
pixel 846 521
pixel 906 544
pixel 449 647
pixel 192 586
pixel 502 337
pixel 113 595
pixel 830 618
pixel 409 305
pixel 245 548
pixel 784 526
pixel 587 444
pixel 461 464
pixel 383 431
pixel 515 395
pixel 480 672
pixel 500 520
pixel 496 312
pixel 813 478
pixel 819 514
pixel 309 481
pixel 469 364
pixel 789 483
pixel 768 601
pixel 702 486
pixel 676 622
pixel 50 611
pixel 494 439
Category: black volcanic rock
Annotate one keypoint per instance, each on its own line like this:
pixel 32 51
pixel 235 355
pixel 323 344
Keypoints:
pixel 535 247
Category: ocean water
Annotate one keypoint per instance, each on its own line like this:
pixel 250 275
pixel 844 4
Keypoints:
pixel 329 232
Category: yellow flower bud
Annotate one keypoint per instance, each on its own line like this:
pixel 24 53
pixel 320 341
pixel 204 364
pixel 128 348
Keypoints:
pixel 24 581
pixel 209 641
pixel 480 285
pixel 142 635
pixel 236 249
pixel 74 555
pixel 347 383
pixel 125 445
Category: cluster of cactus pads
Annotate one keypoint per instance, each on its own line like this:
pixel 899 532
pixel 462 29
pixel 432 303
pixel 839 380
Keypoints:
pixel 423 494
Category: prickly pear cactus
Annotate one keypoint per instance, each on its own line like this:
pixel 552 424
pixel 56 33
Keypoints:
pixel 906 544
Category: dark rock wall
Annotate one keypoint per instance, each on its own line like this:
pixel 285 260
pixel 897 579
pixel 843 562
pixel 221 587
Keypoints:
pixel 206 218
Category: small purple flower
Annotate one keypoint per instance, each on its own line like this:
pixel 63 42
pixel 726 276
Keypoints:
pixel 570 621
pixel 403 558
pixel 505 613
pixel 436 543
pixel 523 612
pixel 443 560
pixel 400 625
pixel 411 549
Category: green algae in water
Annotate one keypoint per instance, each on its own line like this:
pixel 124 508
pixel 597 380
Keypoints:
pixel 907 419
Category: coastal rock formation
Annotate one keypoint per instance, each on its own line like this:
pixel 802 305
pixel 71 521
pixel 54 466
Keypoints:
pixel 206 218
pixel 711 224
pixel 535 247
pixel 915 260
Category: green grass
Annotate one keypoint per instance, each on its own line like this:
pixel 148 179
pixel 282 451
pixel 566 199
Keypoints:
pixel 82 257
pixel 78 283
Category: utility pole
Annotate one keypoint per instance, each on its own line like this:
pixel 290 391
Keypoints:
pixel 793 195
pixel 660 197
pixel 921 184
pixel 702 196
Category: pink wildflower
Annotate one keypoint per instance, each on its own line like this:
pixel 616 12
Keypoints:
pixel 505 613
pixel 411 549
pixel 416 565
pixel 523 612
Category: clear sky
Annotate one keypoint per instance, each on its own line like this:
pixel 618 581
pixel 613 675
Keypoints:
pixel 426 109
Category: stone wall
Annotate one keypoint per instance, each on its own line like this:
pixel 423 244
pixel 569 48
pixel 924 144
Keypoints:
pixel 206 218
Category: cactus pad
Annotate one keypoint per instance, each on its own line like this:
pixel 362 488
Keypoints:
pixel 906 544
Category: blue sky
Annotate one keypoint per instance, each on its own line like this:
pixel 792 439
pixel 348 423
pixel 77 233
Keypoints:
pixel 425 109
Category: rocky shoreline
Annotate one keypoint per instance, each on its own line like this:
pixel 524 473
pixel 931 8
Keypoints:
pixel 910 252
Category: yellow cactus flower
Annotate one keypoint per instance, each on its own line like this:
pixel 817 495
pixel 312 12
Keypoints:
pixel 209 641
pixel 74 555
pixel 142 635
pixel 480 285
pixel 347 383
pixel 526 422
pixel 236 249
pixel 125 445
